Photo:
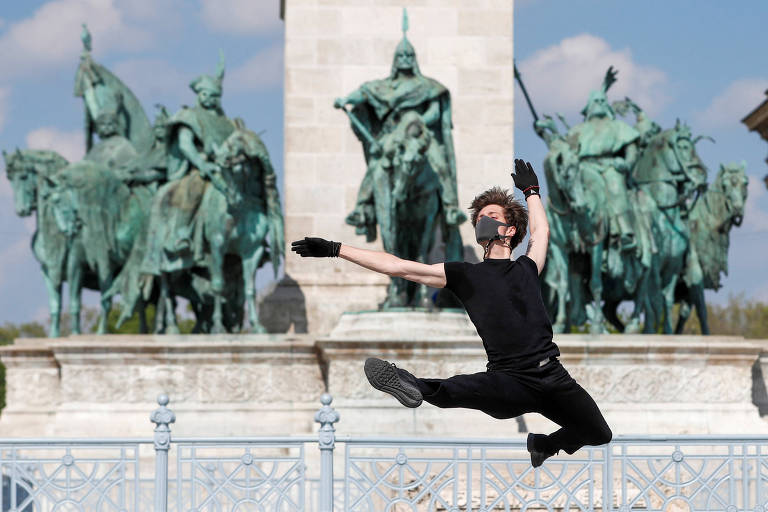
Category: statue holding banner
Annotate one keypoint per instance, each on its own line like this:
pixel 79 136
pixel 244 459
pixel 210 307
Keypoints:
pixel 625 206
pixel 409 188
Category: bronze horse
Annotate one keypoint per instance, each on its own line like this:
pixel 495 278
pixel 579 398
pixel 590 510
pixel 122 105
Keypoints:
pixel 720 208
pixel 34 177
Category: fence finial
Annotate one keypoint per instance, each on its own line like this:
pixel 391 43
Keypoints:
pixel 326 416
pixel 162 417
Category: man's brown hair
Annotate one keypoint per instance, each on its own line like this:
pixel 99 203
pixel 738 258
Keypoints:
pixel 514 212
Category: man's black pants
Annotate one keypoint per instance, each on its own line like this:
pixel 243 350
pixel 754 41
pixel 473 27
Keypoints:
pixel 548 390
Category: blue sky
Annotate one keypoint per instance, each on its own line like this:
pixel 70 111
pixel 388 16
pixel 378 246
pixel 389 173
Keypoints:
pixel 698 61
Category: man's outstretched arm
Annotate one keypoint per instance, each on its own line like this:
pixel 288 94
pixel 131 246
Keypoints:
pixel 378 261
pixel 539 228
pixel 526 180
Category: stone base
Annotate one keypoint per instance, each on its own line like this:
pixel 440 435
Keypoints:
pixel 107 385
pixel 643 384
pixel 405 324
pixel 248 385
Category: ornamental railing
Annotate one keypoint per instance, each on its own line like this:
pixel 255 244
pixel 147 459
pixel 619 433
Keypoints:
pixel 286 474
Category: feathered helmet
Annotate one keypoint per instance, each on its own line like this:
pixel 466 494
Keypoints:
pixel 600 95
pixel 210 83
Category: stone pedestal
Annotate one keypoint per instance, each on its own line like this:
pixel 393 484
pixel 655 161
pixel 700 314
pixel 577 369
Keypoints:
pixel 106 385
pixel 270 384
pixel 643 384
pixel 331 48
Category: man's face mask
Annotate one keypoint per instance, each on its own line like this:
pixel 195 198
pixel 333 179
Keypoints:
pixel 487 229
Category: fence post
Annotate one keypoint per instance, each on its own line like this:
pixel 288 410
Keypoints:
pixel 326 417
pixel 162 417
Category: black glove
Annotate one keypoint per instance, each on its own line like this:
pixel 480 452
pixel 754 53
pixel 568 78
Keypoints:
pixel 316 247
pixel 525 178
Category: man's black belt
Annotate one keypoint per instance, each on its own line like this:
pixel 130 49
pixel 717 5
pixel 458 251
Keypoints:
pixel 538 364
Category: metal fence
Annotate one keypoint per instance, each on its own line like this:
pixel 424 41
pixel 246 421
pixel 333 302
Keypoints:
pixel 654 473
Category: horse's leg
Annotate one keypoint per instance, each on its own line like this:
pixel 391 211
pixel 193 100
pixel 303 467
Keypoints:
pixel 75 283
pixel 697 294
pixel 556 276
pixel 106 307
pixel 142 317
pixel 159 322
pixel 669 301
pixel 640 303
pixel 682 316
pixel 610 313
pixel 655 298
pixel 105 280
pixel 198 308
pixel 54 305
pixel 594 311
pixel 217 282
pixel 250 266
pixel 672 270
pixel 170 327
pixel 576 313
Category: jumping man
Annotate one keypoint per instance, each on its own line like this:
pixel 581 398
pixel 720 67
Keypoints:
pixel 503 300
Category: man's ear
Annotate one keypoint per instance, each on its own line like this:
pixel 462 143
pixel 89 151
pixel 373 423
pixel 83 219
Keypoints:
pixel 511 230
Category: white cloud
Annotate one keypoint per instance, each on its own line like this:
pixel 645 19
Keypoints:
pixel 69 144
pixel 247 17
pixel 263 70
pixel 560 77
pixel 51 36
pixel 735 102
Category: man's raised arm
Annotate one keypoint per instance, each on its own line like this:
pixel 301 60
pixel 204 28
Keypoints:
pixel 526 180
pixel 378 261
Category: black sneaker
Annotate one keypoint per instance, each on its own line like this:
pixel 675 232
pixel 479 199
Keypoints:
pixel 384 376
pixel 537 457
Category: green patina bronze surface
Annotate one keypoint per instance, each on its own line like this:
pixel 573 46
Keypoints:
pixel 632 219
pixel 188 207
pixel 409 187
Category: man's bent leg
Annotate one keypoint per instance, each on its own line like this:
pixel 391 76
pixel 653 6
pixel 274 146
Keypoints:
pixel 570 406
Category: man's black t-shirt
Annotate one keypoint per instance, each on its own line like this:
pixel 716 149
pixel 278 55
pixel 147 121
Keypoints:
pixel 503 300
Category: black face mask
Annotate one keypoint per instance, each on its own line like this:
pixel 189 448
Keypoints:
pixel 487 229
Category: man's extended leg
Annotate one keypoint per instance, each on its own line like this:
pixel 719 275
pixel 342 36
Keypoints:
pixel 497 394
pixel 494 393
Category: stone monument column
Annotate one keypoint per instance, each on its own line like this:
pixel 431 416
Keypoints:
pixel 333 46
